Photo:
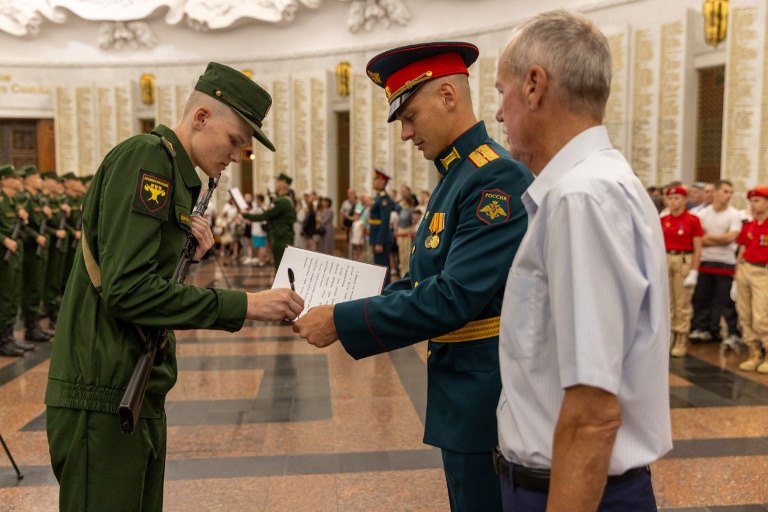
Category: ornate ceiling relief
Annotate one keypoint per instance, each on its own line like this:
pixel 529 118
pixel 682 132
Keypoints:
pixel 123 27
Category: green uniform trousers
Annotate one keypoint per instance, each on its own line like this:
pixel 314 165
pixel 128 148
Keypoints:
pixel 10 286
pixel 473 485
pixel 101 469
pixel 54 275
pixel 33 271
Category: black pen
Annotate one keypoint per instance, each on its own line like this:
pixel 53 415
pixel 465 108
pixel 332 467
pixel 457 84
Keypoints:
pixel 291 279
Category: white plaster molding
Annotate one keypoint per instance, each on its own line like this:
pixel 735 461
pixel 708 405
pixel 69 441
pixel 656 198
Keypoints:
pixel 24 18
pixel 367 13
pixel 119 35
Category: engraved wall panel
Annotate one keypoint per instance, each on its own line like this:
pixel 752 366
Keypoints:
pixel 125 117
pixel 361 133
pixel 107 119
pixel 744 97
pixel 616 117
pixel 300 132
pixel 165 105
pixel 65 126
pixel 671 88
pixel 281 126
pixel 318 108
pixel 762 168
pixel 382 134
pixel 85 113
pixel 264 161
pixel 487 97
pixel 645 104
pixel 401 156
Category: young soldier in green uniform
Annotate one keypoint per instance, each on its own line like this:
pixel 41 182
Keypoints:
pixel 57 247
pixel 462 252
pixel 381 238
pixel 280 218
pixel 35 244
pixel 13 216
pixel 74 190
pixel 136 218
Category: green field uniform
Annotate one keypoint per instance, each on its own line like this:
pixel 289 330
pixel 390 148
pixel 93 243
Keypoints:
pixel 10 276
pixel 73 225
pixel 280 217
pixel 57 254
pixel 136 216
pixel 33 269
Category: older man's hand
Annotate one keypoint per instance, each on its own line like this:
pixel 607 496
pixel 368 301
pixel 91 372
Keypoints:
pixel 317 326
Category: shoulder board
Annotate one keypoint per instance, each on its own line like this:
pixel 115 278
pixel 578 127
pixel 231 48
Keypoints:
pixel 482 155
pixel 168 146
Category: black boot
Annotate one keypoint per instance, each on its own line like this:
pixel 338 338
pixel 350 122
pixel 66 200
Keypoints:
pixel 26 347
pixel 34 333
pixel 7 345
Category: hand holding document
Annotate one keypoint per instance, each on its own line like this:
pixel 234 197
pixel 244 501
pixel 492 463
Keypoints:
pixel 240 201
pixel 322 279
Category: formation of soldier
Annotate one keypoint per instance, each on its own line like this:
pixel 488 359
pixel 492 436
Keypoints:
pixel 40 219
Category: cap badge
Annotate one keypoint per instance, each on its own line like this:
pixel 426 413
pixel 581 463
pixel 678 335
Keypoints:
pixel 376 77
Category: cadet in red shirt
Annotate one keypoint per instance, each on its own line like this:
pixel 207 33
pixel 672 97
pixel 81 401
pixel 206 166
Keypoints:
pixel 682 238
pixel 751 281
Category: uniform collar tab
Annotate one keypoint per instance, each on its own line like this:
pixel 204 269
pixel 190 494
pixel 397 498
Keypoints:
pixel 461 147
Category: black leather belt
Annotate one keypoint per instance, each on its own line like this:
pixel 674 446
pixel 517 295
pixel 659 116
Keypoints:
pixel 679 252
pixel 761 265
pixel 537 480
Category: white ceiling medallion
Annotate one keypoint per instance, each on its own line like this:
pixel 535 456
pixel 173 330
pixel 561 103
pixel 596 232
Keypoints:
pixel 123 26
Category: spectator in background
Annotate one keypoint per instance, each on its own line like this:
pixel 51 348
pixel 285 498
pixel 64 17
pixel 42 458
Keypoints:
pixel 347 211
pixel 695 196
pixel 258 234
pixel 325 232
pixel 682 238
pixel 711 300
pixel 752 281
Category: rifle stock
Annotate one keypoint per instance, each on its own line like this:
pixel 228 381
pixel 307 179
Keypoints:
pixel 130 405
pixel 15 233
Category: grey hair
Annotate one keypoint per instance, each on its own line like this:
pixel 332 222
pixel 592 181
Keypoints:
pixel 573 52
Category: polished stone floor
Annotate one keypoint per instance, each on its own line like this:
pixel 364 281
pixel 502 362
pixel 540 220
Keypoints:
pixel 261 421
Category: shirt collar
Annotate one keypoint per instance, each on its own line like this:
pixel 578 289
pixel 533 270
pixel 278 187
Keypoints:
pixel 188 173
pixel 577 149
pixel 461 147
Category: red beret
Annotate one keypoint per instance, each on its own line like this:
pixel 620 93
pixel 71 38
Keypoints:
pixel 379 174
pixel 681 190
pixel 758 191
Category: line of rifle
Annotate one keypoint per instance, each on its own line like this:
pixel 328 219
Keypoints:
pixel 16 231
pixel 130 404
pixel 43 227
pixel 62 224
pixel 78 227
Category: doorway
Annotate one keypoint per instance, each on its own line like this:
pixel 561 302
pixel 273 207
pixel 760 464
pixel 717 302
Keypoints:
pixel 709 123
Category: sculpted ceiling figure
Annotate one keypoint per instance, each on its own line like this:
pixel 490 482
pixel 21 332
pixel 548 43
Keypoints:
pixel 123 26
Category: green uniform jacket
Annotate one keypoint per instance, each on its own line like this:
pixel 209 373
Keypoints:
pixel 8 217
pixel 280 217
pixel 136 216
pixel 35 209
pixel 478 217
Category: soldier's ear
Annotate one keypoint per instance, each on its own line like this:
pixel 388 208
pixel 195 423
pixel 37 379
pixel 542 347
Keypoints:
pixel 200 117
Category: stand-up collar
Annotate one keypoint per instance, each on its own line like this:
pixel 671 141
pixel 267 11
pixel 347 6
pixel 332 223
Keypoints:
pixel 461 147
pixel 191 179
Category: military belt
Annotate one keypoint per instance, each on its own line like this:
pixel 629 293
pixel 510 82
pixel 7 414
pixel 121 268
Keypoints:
pixel 473 331
pixel 374 222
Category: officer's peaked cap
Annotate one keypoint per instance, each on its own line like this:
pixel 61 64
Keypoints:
pixel 400 71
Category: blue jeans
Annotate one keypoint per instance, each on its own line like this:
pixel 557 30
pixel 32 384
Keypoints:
pixel 634 495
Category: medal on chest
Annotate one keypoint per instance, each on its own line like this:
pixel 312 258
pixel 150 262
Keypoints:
pixel 436 226
pixel 680 231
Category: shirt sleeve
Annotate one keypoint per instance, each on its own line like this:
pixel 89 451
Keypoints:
pixel 696 229
pixel 595 287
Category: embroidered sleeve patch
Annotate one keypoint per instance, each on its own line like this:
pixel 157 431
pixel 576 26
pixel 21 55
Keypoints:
pixel 493 207
pixel 153 195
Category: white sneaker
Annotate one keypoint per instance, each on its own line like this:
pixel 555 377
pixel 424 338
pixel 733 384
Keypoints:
pixel 700 335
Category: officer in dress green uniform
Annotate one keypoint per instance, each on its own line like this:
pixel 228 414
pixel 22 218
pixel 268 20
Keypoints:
pixel 13 217
pixel 381 238
pixel 35 245
pixel 74 190
pixel 280 218
pixel 137 216
pixel 462 252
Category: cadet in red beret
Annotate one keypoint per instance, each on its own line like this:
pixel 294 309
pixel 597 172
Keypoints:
pixel 751 281
pixel 682 238
pixel 461 255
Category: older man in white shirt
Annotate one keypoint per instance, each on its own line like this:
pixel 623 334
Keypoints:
pixel 585 322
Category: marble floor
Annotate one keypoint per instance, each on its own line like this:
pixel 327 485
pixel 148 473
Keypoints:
pixel 261 421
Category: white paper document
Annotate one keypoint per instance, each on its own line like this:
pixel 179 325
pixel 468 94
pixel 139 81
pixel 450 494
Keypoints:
pixel 239 199
pixel 325 279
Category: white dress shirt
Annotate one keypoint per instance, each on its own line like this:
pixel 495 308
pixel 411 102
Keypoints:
pixel 586 302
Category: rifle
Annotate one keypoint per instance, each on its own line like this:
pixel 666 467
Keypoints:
pixel 41 231
pixel 78 227
pixel 62 224
pixel 16 232
pixel 130 404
